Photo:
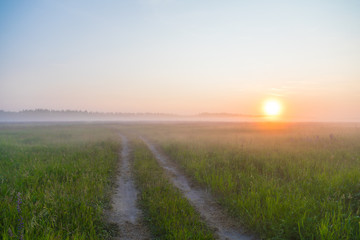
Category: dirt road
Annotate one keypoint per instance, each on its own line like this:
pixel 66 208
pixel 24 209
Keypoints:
pixel 224 226
pixel 125 212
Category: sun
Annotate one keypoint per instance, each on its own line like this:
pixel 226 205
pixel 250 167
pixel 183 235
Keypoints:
pixel 272 107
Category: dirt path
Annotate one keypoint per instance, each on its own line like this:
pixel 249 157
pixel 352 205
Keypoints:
pixel 215 217
pixel 124 210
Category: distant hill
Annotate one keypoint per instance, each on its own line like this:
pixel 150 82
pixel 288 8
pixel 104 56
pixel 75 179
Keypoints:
pixel 45 115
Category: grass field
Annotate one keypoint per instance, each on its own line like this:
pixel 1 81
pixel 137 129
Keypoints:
pixel 55 181
pixel 281 181
pixel 296 181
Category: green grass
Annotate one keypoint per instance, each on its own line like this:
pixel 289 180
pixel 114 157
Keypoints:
pixel 283 182
pixel 295 181
pixel 63 174
pixel 168 213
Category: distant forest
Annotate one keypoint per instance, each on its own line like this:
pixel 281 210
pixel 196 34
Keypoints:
pixel 45 115
pixel 73 115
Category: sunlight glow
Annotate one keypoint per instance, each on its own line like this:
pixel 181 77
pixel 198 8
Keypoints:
pixel 272 107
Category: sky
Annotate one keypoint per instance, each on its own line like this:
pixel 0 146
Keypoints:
pixel 182 56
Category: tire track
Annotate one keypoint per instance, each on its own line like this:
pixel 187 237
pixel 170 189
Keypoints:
pixel 224 227
pixel 125 212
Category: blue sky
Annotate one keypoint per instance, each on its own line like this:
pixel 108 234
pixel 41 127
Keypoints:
pixel 182 56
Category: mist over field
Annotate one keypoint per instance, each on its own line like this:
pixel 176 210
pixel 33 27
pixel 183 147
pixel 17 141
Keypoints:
pixel 42 115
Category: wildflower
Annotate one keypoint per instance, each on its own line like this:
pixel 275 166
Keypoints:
pixel 11 235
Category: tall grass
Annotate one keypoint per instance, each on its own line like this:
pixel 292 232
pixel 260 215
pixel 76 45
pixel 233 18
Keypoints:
pixel 168 213
pixel 283 182
pixel 62 175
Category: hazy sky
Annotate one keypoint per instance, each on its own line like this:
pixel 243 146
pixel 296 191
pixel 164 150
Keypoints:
pixel 182 56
